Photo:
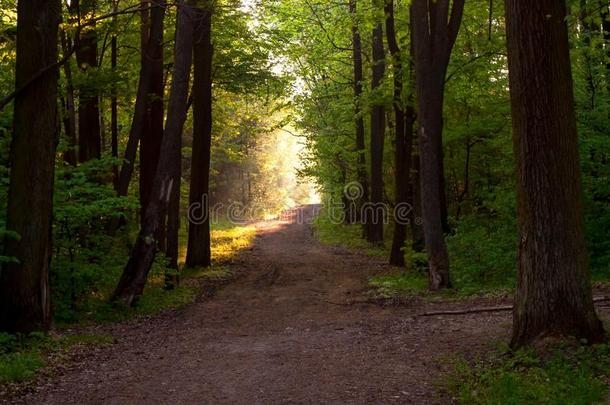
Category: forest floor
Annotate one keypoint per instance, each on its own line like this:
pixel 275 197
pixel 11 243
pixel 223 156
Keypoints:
pixel 295 327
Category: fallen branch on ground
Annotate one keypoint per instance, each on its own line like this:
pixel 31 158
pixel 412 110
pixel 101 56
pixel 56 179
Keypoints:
pixel 503 308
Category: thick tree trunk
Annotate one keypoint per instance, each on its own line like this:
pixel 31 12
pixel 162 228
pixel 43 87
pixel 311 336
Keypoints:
pixel 150 142
pixel 139 114
pixel 553 294
pixel 199 250
pixel 135 274
pixel 359 119
pixel 24 285
pixel 89 130
pixel 433 42
pixel 404 116
pixel 373 216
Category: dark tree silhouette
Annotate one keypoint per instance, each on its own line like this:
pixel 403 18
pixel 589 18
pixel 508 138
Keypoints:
pixel 136 271
pixel 199 250
pixel 374 219
pixel 24 284
pixel 553 294
pixel 435 28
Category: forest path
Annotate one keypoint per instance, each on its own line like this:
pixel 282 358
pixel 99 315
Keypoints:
pixel 282 333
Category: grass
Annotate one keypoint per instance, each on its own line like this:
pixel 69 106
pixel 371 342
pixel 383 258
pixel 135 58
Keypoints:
pixel 478 267
pixel 563 375
pixel 227 241
pixel 22 356
pixel 346 236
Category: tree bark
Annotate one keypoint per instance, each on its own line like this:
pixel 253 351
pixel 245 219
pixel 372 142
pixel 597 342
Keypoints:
pixel 359 119
pixel 89 130
pixel 605 16
pixel 150 142
pixel 433 41
pixel 114 105
pixel 24 285
pixel 139 114
pixel 374 219
pixel 553 296
pixel 404 117
pixel 69 106
pixel 199 250
pixel 142 256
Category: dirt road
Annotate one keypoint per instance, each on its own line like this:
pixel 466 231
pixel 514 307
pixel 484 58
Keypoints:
pixel 283 333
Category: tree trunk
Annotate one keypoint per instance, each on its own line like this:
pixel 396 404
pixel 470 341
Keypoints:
pixel 69 106
pixel 360 142
pixel 417 230
pixel 198 250
pixel 24 285
pixel 404 117
pixel 553 296
pixel 433 42
pixel 605 16
pixel 374 218
pixel 150 141
pixel 89 130
pixel 135 274
pixel 139 114
pixel 114 108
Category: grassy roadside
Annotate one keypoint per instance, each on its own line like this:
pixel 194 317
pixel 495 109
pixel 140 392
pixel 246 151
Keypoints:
pixel 21 356
pixel 473 274
pixel 561 374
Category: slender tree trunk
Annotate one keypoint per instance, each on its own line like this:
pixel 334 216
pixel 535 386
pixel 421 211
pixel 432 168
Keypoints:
pixel 89 130
pixel 417 230
pixel 605 16
pixel 359 119
pixel 24 285
pixel 553 294
pixel 142 256
pixel 114 106
pixel 433 42
pixel 139 115
pixel 374 218
pixel 404 116
pixel 198 250
pixel 178 106
pixel 150 142
pixel 70 106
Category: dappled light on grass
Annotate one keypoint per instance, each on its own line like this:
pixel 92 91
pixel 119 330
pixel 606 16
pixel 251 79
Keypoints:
pixel 230 239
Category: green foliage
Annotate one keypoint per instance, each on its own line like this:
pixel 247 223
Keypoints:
pixel 21 356
pixel 4 235
pixel 565 376
pixel 86 259
pixel 18 367
pixel 330 233
pixel 400 284
pixel 483 255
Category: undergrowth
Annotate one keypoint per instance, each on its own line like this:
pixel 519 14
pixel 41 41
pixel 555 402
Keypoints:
pixel 21 356
pixel 563 375
pixel 482 259
pixel 90 288
pixel 227 241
